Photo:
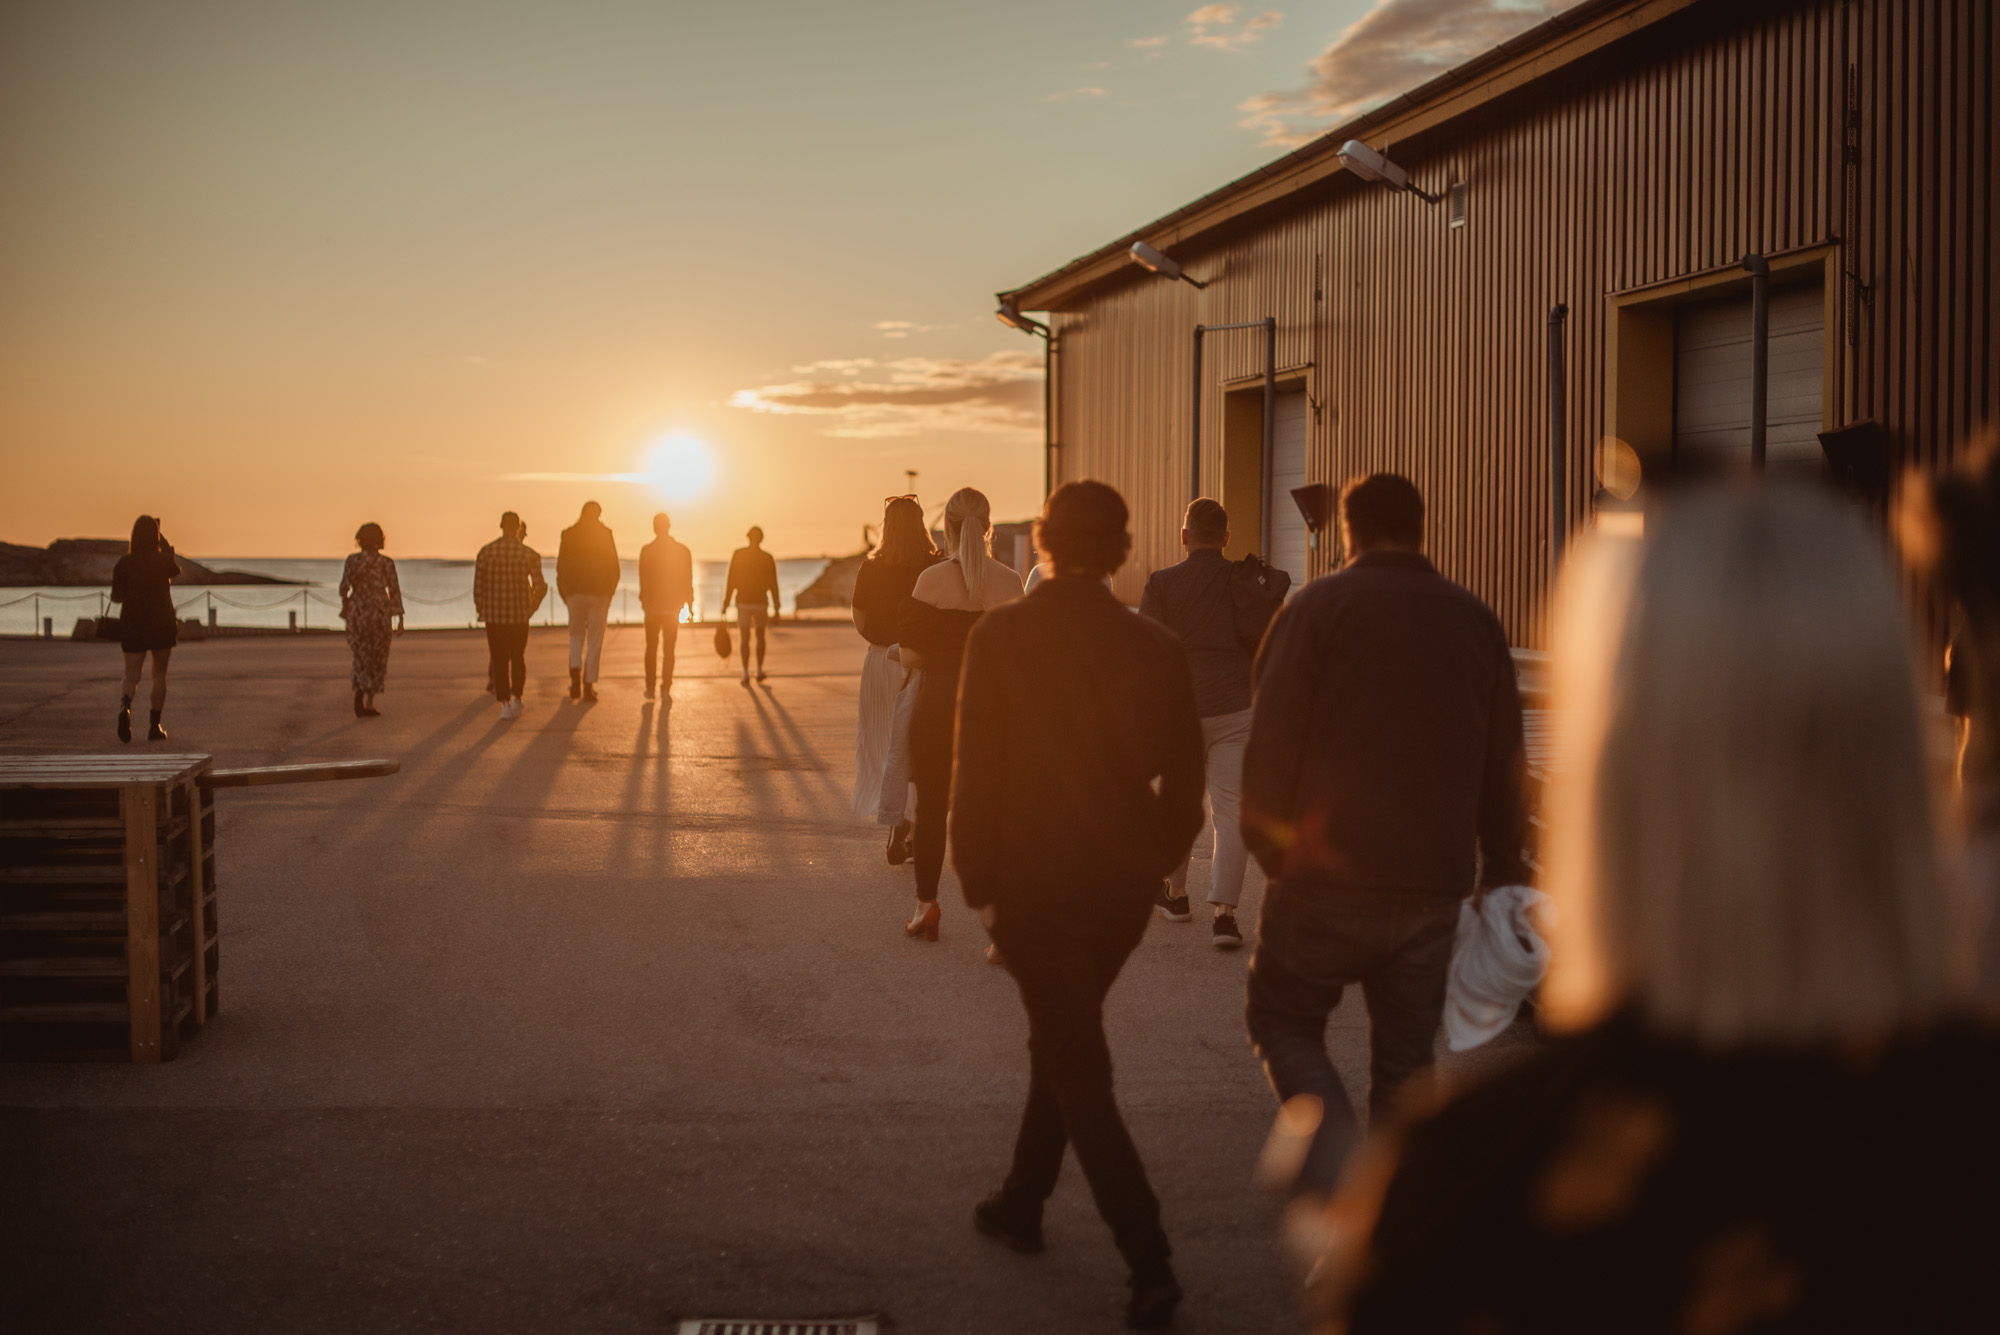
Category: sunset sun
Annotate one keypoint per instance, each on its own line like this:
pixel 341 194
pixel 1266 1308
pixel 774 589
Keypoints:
pixel 680 468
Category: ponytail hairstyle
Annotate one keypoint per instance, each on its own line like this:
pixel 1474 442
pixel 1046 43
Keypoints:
pixel 968 521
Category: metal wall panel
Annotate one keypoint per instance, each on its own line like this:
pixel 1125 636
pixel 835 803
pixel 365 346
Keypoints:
pixel 1426 344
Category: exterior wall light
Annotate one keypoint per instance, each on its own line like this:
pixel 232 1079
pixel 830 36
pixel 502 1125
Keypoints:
pixel 1010 315
pixel 1369 165
pixel 1147 258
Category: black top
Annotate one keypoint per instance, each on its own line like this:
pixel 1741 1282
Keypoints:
pixel 141 585
pixel 587 561
pixel 666 577
pixel 753 580
pixel 879 590
pixel 1386 746
pixel 1069 708
pixel 1619 1182
pixel 938 634
pixel 1192 600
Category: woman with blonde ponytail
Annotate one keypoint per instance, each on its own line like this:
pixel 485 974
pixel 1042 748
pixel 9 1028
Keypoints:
pixel 937 616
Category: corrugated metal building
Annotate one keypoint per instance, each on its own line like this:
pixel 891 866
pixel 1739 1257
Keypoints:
pixel 1618 161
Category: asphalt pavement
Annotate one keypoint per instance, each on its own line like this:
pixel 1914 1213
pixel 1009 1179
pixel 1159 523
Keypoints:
pixel 592 1021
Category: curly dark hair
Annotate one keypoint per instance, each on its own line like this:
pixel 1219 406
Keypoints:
pixel 1083 528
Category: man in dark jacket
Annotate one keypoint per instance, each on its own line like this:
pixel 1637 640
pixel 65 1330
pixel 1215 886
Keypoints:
pixel 1070 708
pixel 753 585
pixel 1381 785
pixel 666 585
pixel 587 574
pixel 1193 600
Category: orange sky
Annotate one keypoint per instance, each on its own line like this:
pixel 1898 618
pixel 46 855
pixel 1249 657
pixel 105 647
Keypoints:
pixel 271 271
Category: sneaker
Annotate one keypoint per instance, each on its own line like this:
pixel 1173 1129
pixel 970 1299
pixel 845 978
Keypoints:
pixel 650 692
pixel 1155 1295
pixel 1172 907
pixel 519 708
pixel 746 677
pixel 760 674
pixel 998 1217
pixel 590 691
pixel 1224 935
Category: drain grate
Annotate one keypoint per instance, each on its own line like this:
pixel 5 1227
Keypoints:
pixel 847 1325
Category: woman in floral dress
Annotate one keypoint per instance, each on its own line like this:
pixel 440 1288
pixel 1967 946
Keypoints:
pixel 369 597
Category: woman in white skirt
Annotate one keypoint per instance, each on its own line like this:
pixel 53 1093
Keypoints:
pixel 880 586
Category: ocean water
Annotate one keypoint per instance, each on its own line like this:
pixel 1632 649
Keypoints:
pixel 436 593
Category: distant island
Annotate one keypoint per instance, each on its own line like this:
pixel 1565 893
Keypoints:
pixel 88 561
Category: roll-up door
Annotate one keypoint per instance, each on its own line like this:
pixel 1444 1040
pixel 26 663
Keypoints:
pixel 1712 380
pixel 1288 470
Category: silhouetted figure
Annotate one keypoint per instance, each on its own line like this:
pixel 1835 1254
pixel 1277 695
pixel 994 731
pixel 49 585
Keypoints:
pixel 587 575
pixel 1767 1117
pixel 752 583
pixel 507 587
pixel 141 584
pixel 881 777
pixel 1078 788
pixel 370 599
pixel 1382 782
pixel 1193 600
pixel 946 601
pixel 666 586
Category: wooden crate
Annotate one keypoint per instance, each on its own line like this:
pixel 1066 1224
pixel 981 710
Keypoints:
pixel 108 930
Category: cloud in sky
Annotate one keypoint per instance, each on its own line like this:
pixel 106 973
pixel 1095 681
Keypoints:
pixel 865 398
pixel 1224 28
pixel 1076 93
pixel 1389 50
pixel 903 328
pixel 1150 43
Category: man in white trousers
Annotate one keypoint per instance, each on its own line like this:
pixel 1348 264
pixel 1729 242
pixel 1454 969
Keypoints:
pixel 587 574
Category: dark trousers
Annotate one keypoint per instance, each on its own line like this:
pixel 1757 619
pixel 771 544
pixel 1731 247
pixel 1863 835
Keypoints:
pixel 662 629
pixel 1312 943
pixel 1064 967
pixel 507 659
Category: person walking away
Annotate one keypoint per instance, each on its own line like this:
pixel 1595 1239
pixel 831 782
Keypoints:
pixel 1765 1110
pixel 1382 781
pixel 141 585
pixel 666 586
pixel 507 587
pixel 944 604
pixel 885 578
pixel 1078 787
pixel 752 582
pixel 370 598
pixel 1193 600
pixel 587 575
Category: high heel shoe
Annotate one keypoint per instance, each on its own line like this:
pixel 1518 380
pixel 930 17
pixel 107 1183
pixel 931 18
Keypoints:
pixel 925 921
pixel 899 843
pixel 125 720
pixel 154 732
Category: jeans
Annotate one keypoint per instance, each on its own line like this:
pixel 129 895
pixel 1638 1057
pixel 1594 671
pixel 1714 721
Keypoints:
pixel 1223 735
pixel 587 612
pixel 1064 968
pixel 662 629
pixel 507 659
pixel 1312 942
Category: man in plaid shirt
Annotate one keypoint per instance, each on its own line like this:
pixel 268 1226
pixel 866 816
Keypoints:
pixel 507 587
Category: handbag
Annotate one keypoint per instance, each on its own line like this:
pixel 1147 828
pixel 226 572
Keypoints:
pixel 722 645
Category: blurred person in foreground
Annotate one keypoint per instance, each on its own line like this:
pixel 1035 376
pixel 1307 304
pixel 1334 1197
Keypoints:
pixel 507 587
pixel 370 598
pixel 1951 529
pixel 1766 1116
pixel 1070 711
pixel 753 583
pixel 666 586
pixel 1382 784
pixel 587 575
pixel 886 577
pixel 948 599
pixel 141 585
pixel 1193 600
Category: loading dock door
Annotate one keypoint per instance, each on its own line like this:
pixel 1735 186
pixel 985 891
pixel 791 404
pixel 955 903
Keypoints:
pixel 1712 380
pixel 1288 470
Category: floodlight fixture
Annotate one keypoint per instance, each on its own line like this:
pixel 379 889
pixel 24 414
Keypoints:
pixel 1010 315
pixel 1369 165
pixel 1147 258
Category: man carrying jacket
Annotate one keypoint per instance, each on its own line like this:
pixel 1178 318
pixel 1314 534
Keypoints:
pixel 1070 709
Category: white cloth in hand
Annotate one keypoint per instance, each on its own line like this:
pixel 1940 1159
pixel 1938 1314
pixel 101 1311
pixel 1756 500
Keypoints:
pixel 1497 960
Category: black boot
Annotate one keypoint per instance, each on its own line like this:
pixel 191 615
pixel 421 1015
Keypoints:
pixel 575 683
pixel 357 704
pixel 125 718
pixel 155 733
pixel 1155 1295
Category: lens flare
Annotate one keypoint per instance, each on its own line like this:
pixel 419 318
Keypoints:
pixel 680 468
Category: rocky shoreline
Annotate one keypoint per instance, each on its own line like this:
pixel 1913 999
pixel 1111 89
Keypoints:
pixel 87 562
